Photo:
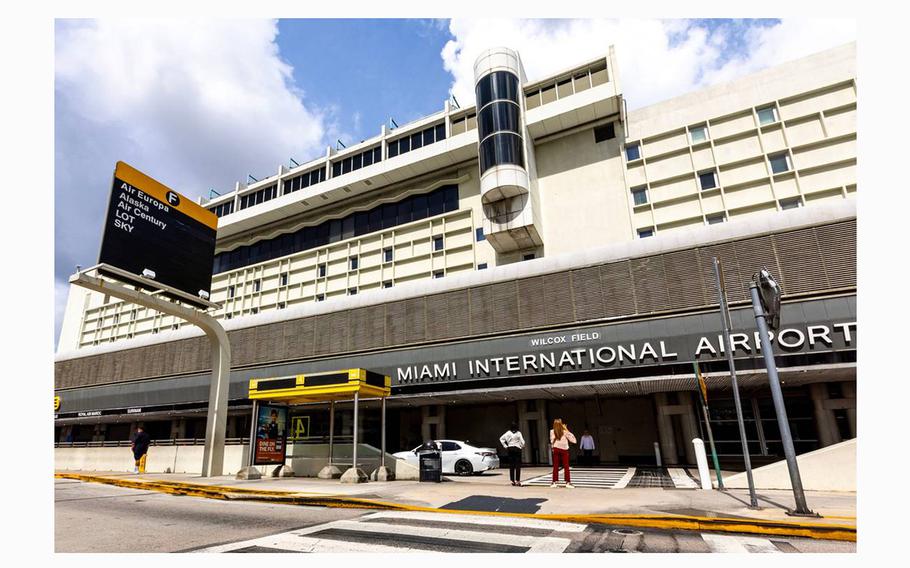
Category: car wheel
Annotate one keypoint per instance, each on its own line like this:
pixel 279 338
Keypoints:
pixel 463 467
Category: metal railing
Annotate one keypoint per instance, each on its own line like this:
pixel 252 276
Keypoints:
pixel 164 442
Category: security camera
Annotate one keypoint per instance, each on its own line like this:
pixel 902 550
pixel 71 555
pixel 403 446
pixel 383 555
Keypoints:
pixel 150 274
pixel 203 294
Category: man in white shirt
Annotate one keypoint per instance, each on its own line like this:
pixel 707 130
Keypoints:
pixel 587 447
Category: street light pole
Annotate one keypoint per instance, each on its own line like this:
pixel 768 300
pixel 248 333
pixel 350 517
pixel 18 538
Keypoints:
pixel 725 318
pixel 802 509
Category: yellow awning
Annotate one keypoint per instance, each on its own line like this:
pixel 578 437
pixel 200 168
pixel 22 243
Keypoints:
pixel 322 387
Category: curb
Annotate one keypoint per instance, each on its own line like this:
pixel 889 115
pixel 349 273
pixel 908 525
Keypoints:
pixel 824 531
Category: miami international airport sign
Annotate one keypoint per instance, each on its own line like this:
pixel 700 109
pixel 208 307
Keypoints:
pixel 150 227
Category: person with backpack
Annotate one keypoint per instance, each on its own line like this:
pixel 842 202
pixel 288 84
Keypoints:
pixel 560 438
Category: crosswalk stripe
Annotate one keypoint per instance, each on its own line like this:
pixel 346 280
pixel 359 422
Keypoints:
pixel 739 544
pixel 681 479
pixel 597 478
pixel 473 535
pixel 520 522
pixel 622 483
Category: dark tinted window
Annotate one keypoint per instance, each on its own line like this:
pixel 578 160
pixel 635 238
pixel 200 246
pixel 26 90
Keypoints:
pixel 336 169
pixel 707 180
pixel 440 132
pixel 450 447
pixel 497 117
pixel 500 149
pixel 393 149
pixel 412 208
pixel 605 132
pixel 633 152
pixel 416 141
pixel 497 85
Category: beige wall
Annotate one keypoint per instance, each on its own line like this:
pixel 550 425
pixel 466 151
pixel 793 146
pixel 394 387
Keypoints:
pixel 814 101
pixel 582 197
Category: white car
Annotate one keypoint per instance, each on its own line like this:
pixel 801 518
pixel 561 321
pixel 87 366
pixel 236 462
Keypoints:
pixel 457 457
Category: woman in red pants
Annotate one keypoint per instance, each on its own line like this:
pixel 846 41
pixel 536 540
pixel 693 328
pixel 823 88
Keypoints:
pixel 560 438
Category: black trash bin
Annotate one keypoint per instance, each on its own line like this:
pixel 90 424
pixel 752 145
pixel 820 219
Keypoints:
pixel 430 459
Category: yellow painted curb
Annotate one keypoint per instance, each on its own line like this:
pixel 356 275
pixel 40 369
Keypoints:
pixel 823 531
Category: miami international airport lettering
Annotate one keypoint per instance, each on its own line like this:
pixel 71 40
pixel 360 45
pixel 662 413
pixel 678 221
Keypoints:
pixel 605 356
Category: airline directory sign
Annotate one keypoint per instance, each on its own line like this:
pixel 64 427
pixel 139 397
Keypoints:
pixel 151 229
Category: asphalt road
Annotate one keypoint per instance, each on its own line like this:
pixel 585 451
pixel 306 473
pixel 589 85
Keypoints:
pixel 103 518
pixel 92 517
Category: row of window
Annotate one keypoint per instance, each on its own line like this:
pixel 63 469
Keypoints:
pixel 562 88
pixel 780 163
pixel 257 197
pixel 698 134
pixel 413 208
pixel 223 209
pixel 357 161
pixel 464 124
pixel 304 180
pixel 417 140
pixel 716 218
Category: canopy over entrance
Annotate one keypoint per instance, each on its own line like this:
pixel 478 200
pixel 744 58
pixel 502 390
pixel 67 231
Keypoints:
pixel 322 387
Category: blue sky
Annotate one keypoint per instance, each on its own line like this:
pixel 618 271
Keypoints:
pixel 201 104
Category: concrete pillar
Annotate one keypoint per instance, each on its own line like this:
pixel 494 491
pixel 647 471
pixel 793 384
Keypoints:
pixel 665 429
pixel 65 433
pixel 824 417
pixel 178 428
pixel 689 425
pixel 439 420
pixel 99 433
pixel 525 417
pixel 849 390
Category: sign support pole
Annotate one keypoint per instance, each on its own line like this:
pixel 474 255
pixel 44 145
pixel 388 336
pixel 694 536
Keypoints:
pixel 216 421
pixel 354 451
pixel 777 395
pixel 727 347
pixel 253 434
pixel 331 428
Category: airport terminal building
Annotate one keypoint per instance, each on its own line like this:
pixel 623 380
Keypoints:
pixel 542 253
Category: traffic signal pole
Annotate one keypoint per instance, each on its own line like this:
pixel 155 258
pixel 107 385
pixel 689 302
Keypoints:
pixel 802 509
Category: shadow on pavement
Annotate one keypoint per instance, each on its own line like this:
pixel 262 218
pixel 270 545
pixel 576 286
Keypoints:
pixel 487 503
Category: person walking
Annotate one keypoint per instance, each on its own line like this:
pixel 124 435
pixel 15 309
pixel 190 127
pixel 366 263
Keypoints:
pixel 560 438
pixel 587 447
pixel 513 442
pixel 140 445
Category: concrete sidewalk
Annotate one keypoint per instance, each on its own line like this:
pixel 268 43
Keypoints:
pixel 491 493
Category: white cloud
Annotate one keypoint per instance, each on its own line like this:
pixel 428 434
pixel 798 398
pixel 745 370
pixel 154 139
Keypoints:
pixel 195 104
pixel 657 59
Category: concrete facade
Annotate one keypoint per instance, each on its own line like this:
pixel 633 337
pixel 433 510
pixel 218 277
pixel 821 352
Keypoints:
pixel 608 219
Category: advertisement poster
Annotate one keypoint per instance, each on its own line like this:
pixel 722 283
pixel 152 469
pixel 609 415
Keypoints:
pixel 271 434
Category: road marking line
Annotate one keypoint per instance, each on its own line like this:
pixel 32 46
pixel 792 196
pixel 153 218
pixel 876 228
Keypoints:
pixel 307 539
pixel 481 520
pixel 739 544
